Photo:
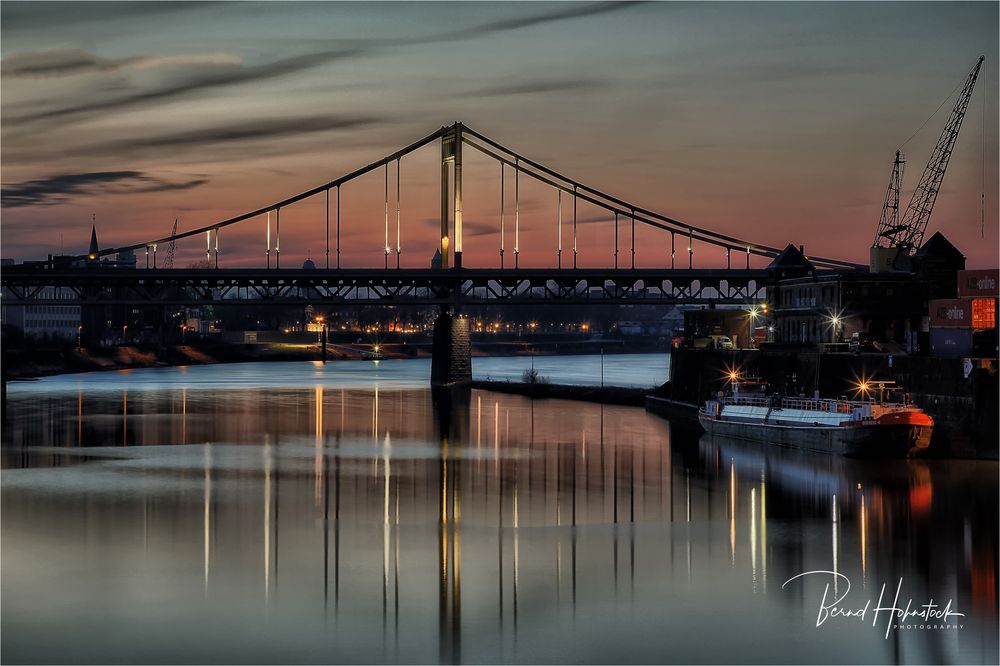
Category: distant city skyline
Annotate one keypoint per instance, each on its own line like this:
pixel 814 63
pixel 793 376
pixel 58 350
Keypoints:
pixel 775 122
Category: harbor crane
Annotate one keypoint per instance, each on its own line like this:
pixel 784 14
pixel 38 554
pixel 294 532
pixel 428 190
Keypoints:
pixel 896 238
pixel 170 248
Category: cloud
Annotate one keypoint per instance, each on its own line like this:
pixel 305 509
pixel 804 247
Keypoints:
pixel 60 189
pixel 579 11
pixel 473 229
pixel 67 62
pixel 46 15
pixel 233 135
pixel 75 61
pixel 535 87
pixel 195 81
pixel 266 128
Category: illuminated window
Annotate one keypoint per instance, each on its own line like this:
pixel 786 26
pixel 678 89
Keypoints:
pixel 984 313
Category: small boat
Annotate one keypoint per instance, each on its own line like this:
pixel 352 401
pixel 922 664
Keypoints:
pixel 872 427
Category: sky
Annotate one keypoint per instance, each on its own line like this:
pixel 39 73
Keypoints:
pixel 773 122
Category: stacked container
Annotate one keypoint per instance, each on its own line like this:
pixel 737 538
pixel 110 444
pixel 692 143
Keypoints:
pixel 963 326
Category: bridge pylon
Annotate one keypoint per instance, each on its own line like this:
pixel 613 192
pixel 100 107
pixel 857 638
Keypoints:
pixel 451 353
pixel 451 196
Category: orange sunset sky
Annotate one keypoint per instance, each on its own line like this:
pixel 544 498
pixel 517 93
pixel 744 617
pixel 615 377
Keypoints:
pixel 774 122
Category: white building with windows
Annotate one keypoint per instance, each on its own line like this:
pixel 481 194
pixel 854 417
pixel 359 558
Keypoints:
pixel 45 321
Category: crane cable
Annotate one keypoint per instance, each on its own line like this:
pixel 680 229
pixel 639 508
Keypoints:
pixel 982 193
pixel 930 117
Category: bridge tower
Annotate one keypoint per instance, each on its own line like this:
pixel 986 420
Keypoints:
pixel 451 361
pixel 451 197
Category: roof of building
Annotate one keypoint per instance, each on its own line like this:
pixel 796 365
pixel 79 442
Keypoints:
pixel 309 265
pixel 939 247
pixel 94 248
pixel 791 257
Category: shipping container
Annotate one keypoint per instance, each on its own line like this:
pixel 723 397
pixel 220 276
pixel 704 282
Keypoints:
pixel 951 342
pixel 950 313
pixel 984 313
pixel 983 282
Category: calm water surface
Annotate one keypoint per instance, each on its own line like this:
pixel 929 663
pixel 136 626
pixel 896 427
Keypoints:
pixel 295 513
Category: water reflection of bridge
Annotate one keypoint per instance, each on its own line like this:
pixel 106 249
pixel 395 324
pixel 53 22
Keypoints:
pixel 532 514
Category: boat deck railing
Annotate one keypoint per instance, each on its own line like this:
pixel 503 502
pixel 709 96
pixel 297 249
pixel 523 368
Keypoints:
pixel 810 404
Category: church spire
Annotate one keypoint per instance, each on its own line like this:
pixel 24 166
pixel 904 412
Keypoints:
pixel 94 248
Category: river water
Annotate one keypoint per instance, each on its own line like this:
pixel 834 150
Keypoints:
pixel 295 513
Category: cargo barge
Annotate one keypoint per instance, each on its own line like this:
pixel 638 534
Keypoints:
pixel 865 428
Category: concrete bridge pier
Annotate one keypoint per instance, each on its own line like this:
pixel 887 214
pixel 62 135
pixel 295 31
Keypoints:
pixel 451 361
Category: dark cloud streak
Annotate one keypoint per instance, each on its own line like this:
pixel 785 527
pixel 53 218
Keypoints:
pixel 68 62
pixel 45 15
pixel 268 128
pixel 57 62
pixel 588 9
pixel 535 87
pixel 59 189
pixel 230 76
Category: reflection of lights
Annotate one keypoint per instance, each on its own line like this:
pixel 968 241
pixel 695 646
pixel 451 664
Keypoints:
pixel 753 537
pixel 833 530
pixel 207 517
pixel 318 457
pixel 763 533
pixel 732 513
pixel 864 540
pixel 267 518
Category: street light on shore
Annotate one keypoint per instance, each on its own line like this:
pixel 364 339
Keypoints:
pixel 835 320
pixel 322 339
pixel 752 315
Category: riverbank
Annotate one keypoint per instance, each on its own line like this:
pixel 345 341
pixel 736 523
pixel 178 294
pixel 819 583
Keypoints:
pixel 34 363
pixel 27 363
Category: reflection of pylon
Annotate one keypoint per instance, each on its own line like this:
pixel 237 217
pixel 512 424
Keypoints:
pixel 170 248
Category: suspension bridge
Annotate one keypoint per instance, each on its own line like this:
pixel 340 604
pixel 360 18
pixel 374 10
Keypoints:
pixel 450 283
pixel 88 279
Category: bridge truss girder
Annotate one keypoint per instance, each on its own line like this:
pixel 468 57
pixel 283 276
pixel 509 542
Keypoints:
pixel 453 287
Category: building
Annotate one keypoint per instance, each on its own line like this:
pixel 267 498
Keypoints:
pixel 731 321
pixel 889 308
pixel 45 322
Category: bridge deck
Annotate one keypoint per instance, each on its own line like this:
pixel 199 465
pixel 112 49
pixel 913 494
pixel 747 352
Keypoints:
pixel 241 286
